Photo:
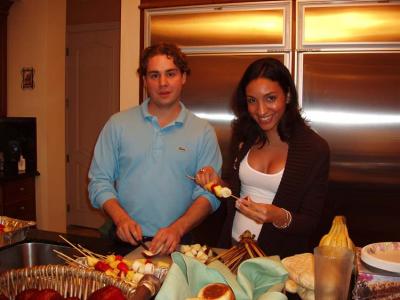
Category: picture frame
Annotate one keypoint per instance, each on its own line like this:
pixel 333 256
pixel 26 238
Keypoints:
pixel 27 78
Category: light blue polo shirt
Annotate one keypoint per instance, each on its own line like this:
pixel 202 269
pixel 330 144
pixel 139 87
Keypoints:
pixel 144 166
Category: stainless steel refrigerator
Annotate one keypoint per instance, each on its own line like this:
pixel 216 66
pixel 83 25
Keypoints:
pixel 345 57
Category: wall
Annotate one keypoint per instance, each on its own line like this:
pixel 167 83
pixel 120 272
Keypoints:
pixel 83 12
pixel 36 38
pixel 130 51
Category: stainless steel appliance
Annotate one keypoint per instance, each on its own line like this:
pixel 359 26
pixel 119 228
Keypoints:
pixel 346 62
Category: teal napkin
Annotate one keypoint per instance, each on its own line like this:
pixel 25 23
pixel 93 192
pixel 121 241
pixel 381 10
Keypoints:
pixel 259 278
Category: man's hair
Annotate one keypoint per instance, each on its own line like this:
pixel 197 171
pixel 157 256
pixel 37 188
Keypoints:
pixel 170 50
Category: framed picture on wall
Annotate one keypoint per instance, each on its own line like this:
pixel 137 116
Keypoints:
pixel 27 78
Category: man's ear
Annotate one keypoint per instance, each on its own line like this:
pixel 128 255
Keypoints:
pixel 144 82
pixel 184 78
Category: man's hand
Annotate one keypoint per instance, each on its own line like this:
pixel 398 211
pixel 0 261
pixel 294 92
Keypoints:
pixel 128 230
pixel 166 240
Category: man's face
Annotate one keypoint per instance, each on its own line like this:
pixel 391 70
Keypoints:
pixel 163 81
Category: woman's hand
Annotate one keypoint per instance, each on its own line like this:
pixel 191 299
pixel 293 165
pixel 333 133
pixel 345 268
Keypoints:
pixel 259 212
pixel 206 175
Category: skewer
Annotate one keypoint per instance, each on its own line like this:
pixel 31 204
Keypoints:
pixel 82 250
pixel 72 245
pixel 91 253
pixel 190 177
pixel 245 249
pixel 194 179
pixel 68 259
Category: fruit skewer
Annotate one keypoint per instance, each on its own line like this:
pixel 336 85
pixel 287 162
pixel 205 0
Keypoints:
pixel 219 191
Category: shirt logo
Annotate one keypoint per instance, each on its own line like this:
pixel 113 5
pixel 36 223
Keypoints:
pixel 181 148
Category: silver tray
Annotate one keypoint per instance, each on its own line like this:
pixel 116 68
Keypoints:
pixel 68 281
pixel 18 230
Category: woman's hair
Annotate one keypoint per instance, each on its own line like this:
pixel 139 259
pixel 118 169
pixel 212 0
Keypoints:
pixel 245 129
pixel 170 50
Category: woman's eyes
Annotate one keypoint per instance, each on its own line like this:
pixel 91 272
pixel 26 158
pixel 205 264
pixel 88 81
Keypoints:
pixel 269 99
pixel 251 100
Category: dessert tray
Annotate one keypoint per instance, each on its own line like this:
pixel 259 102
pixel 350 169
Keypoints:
pixel 131 271
pixel 13 230
pixel 384 256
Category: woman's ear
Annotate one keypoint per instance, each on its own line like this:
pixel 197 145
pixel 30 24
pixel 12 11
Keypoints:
pixel 288 98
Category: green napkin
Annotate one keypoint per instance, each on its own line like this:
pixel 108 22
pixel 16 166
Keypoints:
pixel 259 278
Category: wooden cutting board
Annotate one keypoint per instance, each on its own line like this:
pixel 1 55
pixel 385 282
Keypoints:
pixel 137 253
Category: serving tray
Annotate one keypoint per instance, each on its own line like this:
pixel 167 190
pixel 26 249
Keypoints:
pixel 16 230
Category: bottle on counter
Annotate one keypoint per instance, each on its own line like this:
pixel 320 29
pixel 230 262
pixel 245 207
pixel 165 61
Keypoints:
pixel 21 164
pixel 147 287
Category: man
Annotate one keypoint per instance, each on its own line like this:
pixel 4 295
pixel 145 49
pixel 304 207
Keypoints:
pixel 142 156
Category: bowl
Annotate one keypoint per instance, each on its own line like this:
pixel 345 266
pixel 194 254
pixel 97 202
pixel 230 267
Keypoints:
pixel 30 253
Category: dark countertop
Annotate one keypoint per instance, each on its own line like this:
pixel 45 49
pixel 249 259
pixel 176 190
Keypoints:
pixel 98 245
pixel 15 176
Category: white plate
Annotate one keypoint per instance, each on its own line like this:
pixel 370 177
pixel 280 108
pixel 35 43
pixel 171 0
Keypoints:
pixel 384 256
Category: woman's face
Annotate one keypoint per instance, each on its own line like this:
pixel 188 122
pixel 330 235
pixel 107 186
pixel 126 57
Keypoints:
pixel 266 103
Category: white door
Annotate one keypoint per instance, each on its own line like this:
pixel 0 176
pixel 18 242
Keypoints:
pixel 92 97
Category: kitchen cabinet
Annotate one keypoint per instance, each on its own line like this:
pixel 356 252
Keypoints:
pixel 17 198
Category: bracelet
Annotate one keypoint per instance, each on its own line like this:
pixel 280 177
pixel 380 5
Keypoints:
pixel 288 221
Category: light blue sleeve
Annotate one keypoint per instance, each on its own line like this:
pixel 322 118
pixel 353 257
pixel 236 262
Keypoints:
pixel 209 155
pixel 104 168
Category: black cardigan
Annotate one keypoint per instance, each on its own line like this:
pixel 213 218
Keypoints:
pixel 302 191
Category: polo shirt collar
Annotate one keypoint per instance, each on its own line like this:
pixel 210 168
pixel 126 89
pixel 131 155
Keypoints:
pixel 178 121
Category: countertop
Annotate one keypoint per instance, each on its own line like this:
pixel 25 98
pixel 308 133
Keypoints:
pixel 15 176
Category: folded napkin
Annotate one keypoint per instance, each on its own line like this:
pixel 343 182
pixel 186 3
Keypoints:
pixel 259 278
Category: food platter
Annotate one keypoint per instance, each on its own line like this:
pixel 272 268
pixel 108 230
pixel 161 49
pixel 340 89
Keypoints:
pixel 384 256
pixel 13 230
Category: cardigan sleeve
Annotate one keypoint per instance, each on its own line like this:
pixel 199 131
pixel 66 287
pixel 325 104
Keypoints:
pixel 310 203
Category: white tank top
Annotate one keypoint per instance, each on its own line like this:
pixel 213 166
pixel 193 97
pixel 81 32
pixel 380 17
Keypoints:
pixel 261 188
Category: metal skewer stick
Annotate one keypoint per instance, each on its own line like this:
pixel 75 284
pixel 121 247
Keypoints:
pixel 190 177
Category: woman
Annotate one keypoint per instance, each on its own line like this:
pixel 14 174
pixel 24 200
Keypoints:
pixel 279 166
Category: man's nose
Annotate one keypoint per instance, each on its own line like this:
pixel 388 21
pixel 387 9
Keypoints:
pixel 163 80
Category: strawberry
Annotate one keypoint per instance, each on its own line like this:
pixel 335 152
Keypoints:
pixel 213 188
pixel 119 257
pixel 108 292
pixel 101 266
pixel 123 267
